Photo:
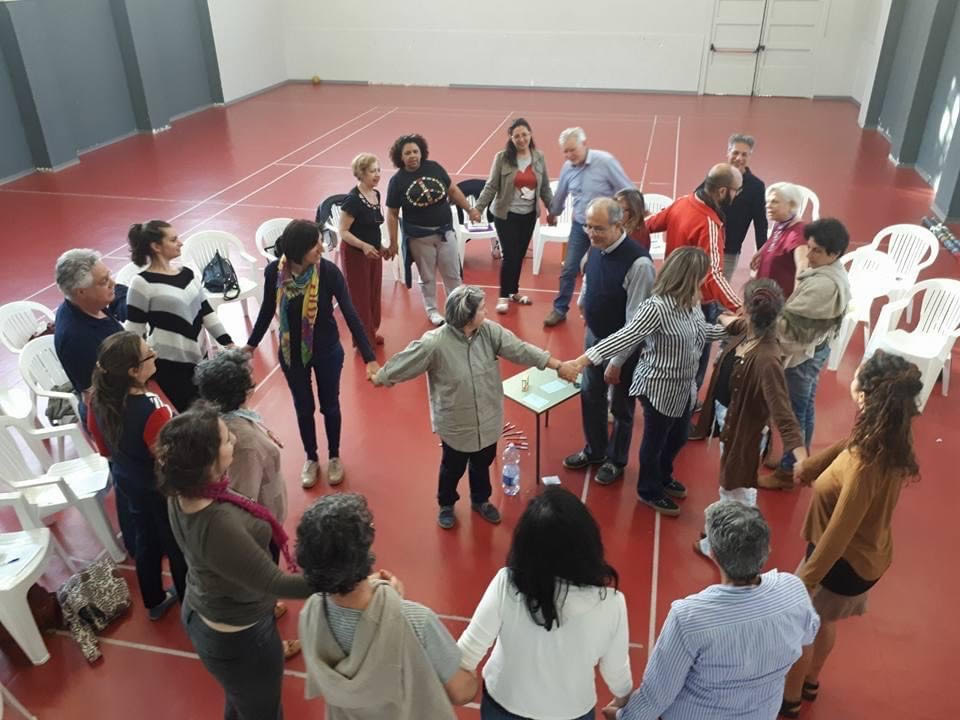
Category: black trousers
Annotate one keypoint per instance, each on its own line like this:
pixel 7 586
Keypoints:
pixel 326 368
pixel 176 381
pixel 154 540
pixel 248 665
pixel 514 234
pixel 663 438
pixel 453 463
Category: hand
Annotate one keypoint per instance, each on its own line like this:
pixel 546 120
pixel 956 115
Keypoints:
pixel 610 712
pixel 370 252
pixel 248 349
pixel 394 581
pixel 726 318
pixel 551 220
pixel 373 367
pixel 474 215
pixel 611 376
pixel 391 251
pixel 569 371
pixel 230 346
pixel 755 261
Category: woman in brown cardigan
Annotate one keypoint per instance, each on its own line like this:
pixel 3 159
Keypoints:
pixel 747 389
pixel 856 485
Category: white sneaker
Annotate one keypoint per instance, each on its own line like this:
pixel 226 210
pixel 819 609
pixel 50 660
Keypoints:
pixel 335 471
pixel 310 473
pixel 436 318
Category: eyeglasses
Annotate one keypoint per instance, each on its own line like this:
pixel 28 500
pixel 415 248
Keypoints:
pixel 149 357
pixel 734 191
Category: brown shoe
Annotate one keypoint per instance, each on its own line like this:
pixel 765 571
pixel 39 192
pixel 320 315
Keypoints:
pixel 554 318
pixel 777 480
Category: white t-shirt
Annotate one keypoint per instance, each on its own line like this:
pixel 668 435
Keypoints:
pixel 549 675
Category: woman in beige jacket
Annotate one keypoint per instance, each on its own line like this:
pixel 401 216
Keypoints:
pixel 518 177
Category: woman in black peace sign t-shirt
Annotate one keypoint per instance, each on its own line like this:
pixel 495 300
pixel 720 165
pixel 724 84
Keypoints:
pixel 420 189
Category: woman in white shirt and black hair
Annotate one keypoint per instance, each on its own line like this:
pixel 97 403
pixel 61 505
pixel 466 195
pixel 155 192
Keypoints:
pixel 555 613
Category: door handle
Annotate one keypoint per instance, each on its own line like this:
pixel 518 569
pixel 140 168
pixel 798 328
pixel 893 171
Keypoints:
pixel 738 51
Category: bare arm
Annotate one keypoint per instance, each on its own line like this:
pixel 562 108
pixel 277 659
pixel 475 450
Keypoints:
pixel 800 258
pixel 459 199
pixel 393 224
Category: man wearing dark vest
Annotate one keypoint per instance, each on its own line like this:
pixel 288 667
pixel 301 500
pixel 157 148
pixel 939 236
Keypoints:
pixel 618 275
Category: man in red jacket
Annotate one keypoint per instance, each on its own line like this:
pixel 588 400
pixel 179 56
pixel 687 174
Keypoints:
pixel 697 219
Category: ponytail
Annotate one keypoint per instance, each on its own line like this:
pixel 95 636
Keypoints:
pixel 141 238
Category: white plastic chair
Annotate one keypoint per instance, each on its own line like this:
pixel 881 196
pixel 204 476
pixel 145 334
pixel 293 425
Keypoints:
pixel 654 203
pixel 24 556
pixel 9 697
pixel 42 372
pixel 560 233
pixel 198 251
pixel 872 274
pixel 929 344
pixel 810 200
pixel 20 321
pixel 80 483
pixel 267 234
pixel 126 273
pixel 912 248
pixel 472 231
pixel 333 227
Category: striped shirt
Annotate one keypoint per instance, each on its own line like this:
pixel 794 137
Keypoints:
pixel 724 653
pixel 176 309
pixel 666 372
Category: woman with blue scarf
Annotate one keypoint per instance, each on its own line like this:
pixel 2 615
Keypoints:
pixel 300 287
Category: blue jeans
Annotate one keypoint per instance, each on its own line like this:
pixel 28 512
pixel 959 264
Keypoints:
pixel 490 709
pixel 802 382
pixel 577 245
pixel 614 447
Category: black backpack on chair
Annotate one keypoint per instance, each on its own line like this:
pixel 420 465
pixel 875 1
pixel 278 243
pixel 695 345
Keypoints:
pixel 220 277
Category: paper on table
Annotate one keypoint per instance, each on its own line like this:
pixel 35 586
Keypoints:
pixel 551 480
pixel 535 401
pixel 554 386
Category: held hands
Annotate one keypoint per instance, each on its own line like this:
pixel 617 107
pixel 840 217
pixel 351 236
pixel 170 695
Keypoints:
pixel 611 376
pixel 474 215
pixel 248 349
pixel 394 581
pixel 551 220
pixel 569 370
pixel 391 251
pixel 373 367
pixel 755 261
pixel 370 252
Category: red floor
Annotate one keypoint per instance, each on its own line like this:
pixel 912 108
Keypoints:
pixel 279 154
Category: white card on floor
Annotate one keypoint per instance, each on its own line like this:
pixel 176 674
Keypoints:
pixel 536 402
pixel 554 386
pixel 551 479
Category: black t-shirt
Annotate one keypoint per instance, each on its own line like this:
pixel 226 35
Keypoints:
pixel 367 218
pixel 421 194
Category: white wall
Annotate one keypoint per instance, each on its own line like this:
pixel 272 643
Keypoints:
pixel 848 53
pixel 249 38
pixel 635 44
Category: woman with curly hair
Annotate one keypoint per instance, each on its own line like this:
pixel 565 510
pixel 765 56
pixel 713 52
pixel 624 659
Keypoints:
pixel 423 190
pixel 856 485
pixel 553 615
pixel 233 583
pixel 369 653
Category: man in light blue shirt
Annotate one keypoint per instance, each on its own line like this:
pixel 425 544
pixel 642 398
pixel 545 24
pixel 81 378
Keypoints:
pixel 586 175
pixel 724 653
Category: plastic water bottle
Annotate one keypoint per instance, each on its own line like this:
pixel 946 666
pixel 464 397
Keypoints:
pixel 511 470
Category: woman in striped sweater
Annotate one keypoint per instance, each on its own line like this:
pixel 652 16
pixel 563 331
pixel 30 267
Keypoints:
pixel 168 306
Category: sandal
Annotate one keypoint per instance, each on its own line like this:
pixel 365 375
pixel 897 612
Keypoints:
pixel 809 690
pixel 790 709
pixel 291 648
pixel 503 305
pixel 521 299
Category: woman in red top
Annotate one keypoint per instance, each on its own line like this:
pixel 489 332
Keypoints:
pixel 631 202
pixel 784 255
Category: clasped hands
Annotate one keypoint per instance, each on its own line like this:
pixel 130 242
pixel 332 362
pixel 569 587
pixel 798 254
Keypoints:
pixel 570 369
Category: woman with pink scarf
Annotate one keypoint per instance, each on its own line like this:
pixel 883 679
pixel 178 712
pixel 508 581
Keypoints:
pixel 784 255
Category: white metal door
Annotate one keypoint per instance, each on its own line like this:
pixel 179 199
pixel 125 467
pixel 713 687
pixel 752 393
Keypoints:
pixel 791 32
pixel 732 58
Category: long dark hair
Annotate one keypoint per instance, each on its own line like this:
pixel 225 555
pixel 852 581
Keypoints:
pixel 556 544
pixel 510 150
pixel 882 434
pixel 187 448
pixel 112 382
pixel 141 238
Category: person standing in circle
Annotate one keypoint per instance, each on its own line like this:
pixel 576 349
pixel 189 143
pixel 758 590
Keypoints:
pixel 421 188
pixel 518 177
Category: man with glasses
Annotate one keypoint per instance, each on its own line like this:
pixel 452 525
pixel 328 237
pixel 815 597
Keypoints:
pixel 698 220
pixel 618 276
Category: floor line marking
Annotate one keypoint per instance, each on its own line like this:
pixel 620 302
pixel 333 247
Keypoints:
pixel 243 179
pixel 676 160
pixel 509 115
pixel 655 575
pixel 646 159
pixel 497 287
pixel 587 477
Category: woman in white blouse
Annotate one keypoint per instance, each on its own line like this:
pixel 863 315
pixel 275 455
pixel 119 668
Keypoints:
pixel 554 614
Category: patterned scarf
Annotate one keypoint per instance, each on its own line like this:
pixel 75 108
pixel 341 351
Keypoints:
pixel 290 287
pixel 220 492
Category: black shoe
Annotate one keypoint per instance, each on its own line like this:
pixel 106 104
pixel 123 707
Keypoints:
pixel 694 434
pixel 608 473
pixel 578 461
pixel 662 504
pixel 487 511
pixel 675 489
pixel 446 519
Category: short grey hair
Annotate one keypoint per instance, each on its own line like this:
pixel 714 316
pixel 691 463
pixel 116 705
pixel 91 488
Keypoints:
pixel 573 132
pixel 74 270
pixel 747 140
pixel 333 543
pixel 614 211
pixel 225 379
pixel 739 538
pixel 462 305
pixel 788 192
